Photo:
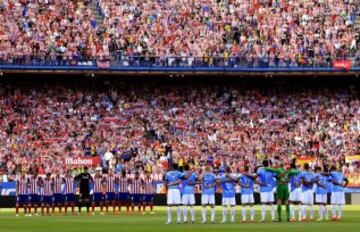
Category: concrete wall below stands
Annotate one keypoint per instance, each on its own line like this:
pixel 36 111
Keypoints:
pixel 160 199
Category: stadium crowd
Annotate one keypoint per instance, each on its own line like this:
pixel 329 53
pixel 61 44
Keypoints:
pixel 150 127
pixel 294 32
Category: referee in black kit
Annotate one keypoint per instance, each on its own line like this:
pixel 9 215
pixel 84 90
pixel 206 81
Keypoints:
pixel 84 179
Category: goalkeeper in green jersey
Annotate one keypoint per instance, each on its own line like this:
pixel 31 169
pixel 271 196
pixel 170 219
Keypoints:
pixel 282 188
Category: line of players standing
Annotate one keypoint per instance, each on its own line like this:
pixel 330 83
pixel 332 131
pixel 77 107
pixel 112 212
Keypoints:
pixel 303 186
pixel 109 190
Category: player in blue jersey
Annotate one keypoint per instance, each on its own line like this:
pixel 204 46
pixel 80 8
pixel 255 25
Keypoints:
pixel 246 183
pixel 295 194
pixel 308 180
pixel 173 181
pixel 188 192
pixel 339 182
pixel 208 187
pixel 321 193
pixel 266 180
pixel 228 183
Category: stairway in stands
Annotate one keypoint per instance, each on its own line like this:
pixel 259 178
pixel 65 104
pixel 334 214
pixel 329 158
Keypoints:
pixel 96 14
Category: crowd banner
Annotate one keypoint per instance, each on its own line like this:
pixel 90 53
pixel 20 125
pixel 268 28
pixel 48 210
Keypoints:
pixel 103 64
pixel 342 64
pixel 352 158
pixel 302 160
pixel 354 180
pixel 81 161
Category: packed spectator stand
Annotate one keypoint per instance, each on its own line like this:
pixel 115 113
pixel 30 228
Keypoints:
pixel 149 126
pixel 234 33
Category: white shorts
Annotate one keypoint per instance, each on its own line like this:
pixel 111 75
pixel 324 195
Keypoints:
pixel 188 199
pixel 338 198
pixel 296 195
pixel 228 201
pixel 267 197
pixel 247 199
pixel 173 197
pixel 207 199
pixel 321 198
pixel 308 197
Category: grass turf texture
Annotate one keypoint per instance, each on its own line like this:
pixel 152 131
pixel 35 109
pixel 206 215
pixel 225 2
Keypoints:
pixel 133 223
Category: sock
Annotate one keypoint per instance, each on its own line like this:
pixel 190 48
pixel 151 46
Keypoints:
pixel 29 209
pixel 203 214
pixel 213 214
pixel 263 212
pixel 17 209
pixel 87 207
pixel 107 207
pixel 65 208
pixel 73 208
pixel 42 210
pixel 119 206
pixel 321 210
pixel 151 206
pixel 144 207
pixel 279 211
pixel 304 212
pixel 292 211
pixel 333 209
pixel 185 213
pixel 192 212
pixel 48 209
pixel 300 212
pixel 287 207
pixel 252 213
pixel 35 209
pixel 178 211
pixel 224 209
pixel 60 208
pixel 272 211
pixel 53 209
pixel 114 206
pixel 326 214
pixel 169 214
pixel 311 211
pixel 139 208
pixel 232 214
pixel 92 207
pixel 340 211
pixel 243 213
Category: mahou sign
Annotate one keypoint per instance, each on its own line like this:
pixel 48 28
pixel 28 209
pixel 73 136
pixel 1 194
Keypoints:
pixel 82 161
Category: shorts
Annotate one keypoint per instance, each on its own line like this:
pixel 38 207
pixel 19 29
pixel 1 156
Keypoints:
pixel 282 193
pixel 308 197
pixel 46 200
pixel 296 195
pixel 70 197
pixel 58 198
pixel 207 199
pixel 22 199
pixel 148 198
pixel 110 196
pixel 85 196
pixel 136 198
pixel 123 197
pixel 34 199
pixel 267 197
pixel 97 197
pixel 173 197
pixel 247 199
pixel 228 201
pixel 321 198
pixel 338 198
pixel 188 199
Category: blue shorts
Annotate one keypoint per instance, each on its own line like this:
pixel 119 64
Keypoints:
pixel 148 198
pixel 70 197
pixel 136 198
pixel 34 199
pixel 22 199
pixel 47 200
pixel 97 197
pixel 58 198
pixel 124 197
pixel 110 197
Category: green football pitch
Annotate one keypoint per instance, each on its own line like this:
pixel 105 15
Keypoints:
pixel 147 222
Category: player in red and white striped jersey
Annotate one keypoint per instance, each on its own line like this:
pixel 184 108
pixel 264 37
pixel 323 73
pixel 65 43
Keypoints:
pixel 98 191
pixel 123 196
pixel 58 195
pixel 33 192
pixel 21 193
pixel 149 191
pixel 110 180
pixel 47 193
pixel 136 191
pixel 69 191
